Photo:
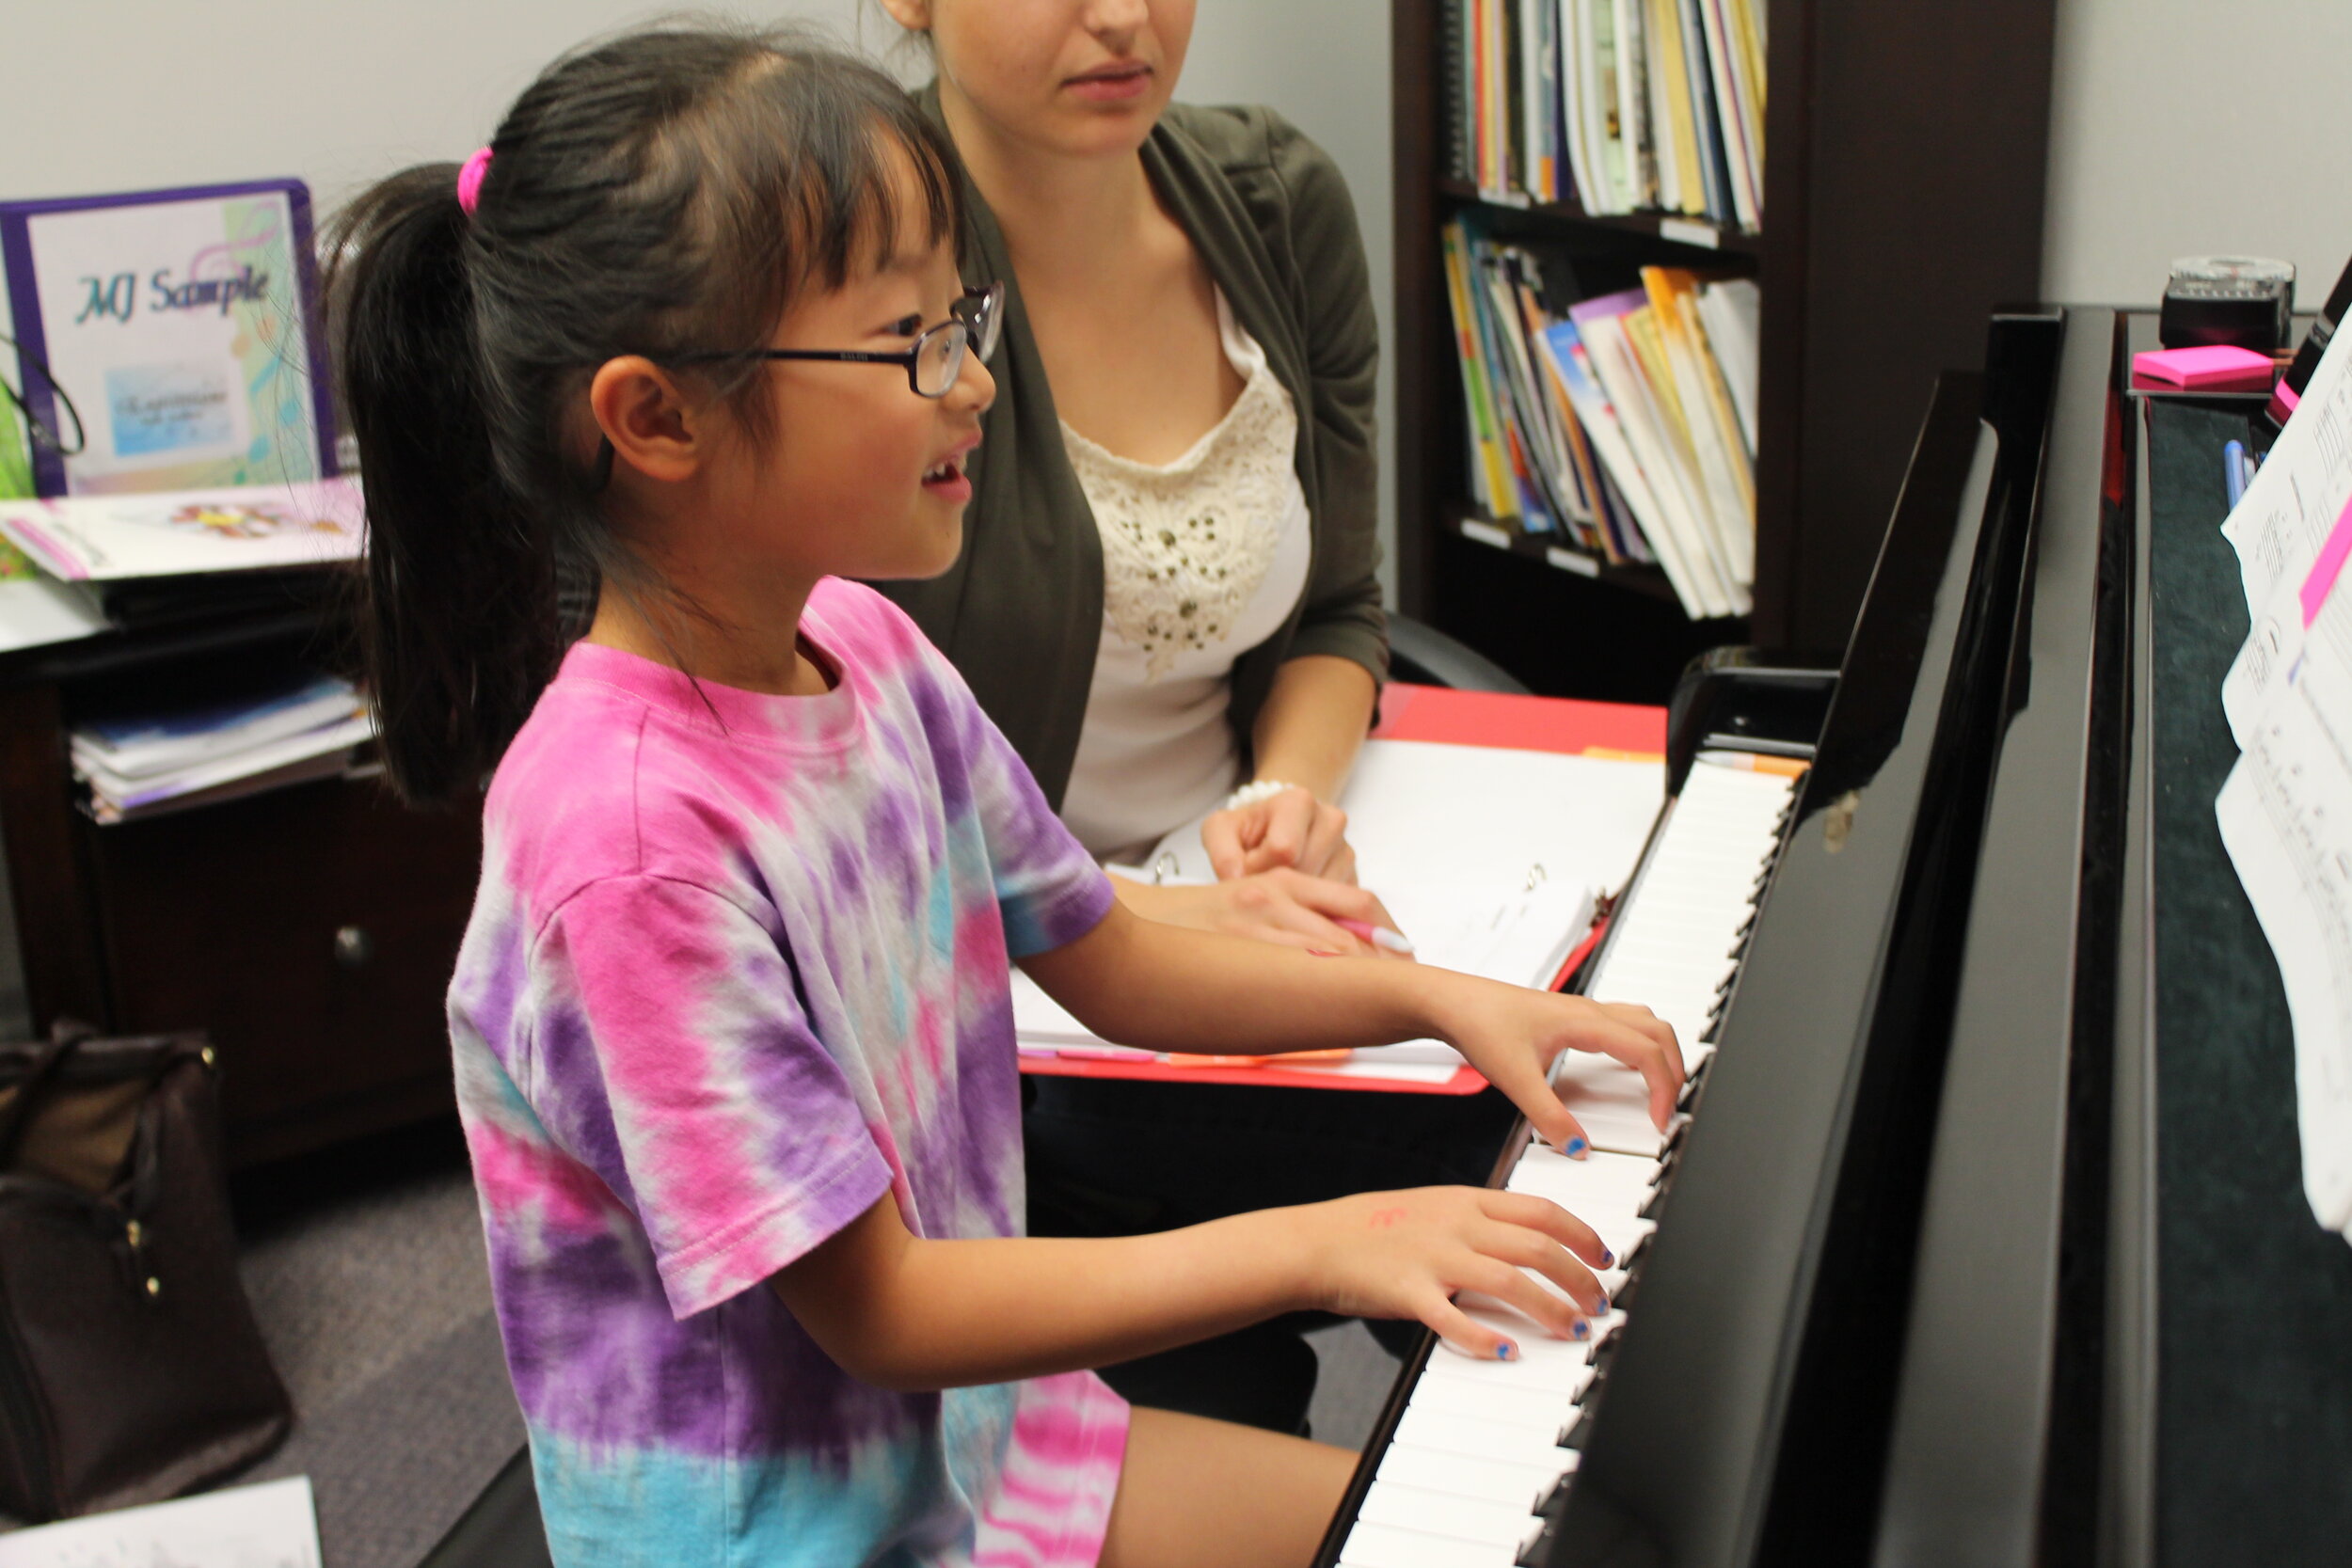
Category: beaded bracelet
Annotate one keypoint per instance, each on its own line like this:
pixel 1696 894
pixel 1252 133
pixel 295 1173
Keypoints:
pixel 1255 791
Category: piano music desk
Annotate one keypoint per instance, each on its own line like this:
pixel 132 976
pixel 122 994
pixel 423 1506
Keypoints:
pixel 1427 713
pixel 2254 1344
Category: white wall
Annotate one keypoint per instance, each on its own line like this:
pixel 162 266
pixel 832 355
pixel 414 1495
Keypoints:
pixel 2194 127
pixel 1324 63
pixel 133 95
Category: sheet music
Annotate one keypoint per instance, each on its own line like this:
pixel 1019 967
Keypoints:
pixel 1424 812
pixel 2285 812
pixel 2280 528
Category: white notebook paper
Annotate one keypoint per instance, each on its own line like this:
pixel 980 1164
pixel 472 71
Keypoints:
pixel 1491 860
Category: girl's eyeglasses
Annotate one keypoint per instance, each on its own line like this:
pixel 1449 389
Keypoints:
pixel 932 364
pixel 42 433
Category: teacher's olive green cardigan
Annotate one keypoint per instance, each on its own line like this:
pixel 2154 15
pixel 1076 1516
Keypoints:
pixel 1021 611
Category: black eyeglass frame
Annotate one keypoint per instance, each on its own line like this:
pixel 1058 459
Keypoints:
pixel 38 430
pixel 979 315
pixel 979 318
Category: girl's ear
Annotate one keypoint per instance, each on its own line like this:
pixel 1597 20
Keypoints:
pixel 647 419
pixel 913 15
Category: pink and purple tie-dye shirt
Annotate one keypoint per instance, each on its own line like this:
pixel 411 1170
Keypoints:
pixel 736 968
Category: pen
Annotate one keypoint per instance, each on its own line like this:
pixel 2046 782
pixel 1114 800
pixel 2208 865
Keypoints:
pixel 2233 470
pixel 1379 936
pixel 1755 762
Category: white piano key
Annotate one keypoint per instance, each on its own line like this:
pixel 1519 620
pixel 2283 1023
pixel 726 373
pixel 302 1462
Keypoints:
pixel 1609 1183
pixel 1476 1439
pixel 1558 1375
pixel 1458 1518
pixel 1506 1402
pixel 1371 1545
pixel 1495 1480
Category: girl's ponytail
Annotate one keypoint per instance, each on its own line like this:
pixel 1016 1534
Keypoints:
pixel 663 193
pixel 459 621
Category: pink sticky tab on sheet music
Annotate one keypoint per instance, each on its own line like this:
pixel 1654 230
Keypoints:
pixel 2329 564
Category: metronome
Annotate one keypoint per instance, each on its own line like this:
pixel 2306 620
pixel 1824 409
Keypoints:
pixel 2246 301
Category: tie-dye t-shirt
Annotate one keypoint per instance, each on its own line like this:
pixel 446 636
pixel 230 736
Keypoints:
pixel 736 969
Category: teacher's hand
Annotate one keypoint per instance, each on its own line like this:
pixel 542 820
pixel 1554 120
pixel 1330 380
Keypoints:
pixel 1283 905
pixel 1289 831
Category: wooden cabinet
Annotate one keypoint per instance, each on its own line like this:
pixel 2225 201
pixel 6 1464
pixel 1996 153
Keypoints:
pixel 310 930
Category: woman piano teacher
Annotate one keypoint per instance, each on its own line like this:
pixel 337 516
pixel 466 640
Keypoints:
pixel 1166 597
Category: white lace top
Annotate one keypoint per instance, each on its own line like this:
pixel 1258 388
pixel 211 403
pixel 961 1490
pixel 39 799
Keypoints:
pixel 1202 560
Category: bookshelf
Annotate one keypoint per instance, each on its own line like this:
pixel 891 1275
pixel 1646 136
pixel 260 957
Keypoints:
pixel 1903 179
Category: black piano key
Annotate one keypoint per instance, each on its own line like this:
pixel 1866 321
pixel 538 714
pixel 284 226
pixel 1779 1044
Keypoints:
pixel 1674 1140
pixel 1655 1204
pixel 1555 1499
pixel 1537 1551
pixel 1580 1431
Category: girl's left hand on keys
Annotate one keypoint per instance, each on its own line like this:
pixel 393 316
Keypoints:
pixel 1408 1254
pixel 1512 1035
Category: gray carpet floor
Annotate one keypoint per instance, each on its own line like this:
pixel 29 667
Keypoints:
pixel 369 1280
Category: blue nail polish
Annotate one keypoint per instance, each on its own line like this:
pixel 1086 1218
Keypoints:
pixel 1580 1330
pixel 1608 1259
pixel 1506 1351
pixel 1576 1146
pixel 1602 1310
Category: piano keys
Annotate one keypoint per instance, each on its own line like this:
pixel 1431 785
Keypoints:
pixel 1479 1445
pixel 1915 1280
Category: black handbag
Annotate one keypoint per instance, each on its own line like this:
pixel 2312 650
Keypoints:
pixel 130 1367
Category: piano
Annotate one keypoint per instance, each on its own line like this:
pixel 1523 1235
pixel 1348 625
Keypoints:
pixel 1978 1238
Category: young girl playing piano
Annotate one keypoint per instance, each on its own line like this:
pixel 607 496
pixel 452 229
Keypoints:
pixel 733 1037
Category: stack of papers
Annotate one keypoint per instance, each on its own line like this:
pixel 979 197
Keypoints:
pixel 176 533
pixel 2285 812
pixel 70 566
pixel 149 764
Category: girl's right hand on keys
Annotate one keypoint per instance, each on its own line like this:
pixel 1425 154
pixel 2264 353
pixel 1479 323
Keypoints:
pixel 1407 1254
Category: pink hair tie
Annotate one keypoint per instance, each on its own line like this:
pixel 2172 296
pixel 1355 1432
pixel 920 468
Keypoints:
pixel 469 180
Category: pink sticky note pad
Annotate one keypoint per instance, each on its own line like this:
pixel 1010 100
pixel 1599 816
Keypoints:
pixel 2214 368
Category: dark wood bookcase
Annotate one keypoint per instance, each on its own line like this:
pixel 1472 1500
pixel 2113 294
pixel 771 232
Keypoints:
pixel 1905 152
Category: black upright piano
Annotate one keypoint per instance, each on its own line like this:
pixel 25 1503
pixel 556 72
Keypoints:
pixel 1986 1241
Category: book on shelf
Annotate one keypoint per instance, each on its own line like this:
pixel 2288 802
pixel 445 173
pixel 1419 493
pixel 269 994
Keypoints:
pixel 299 727
pixel 1620 426
pixel 1618 106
